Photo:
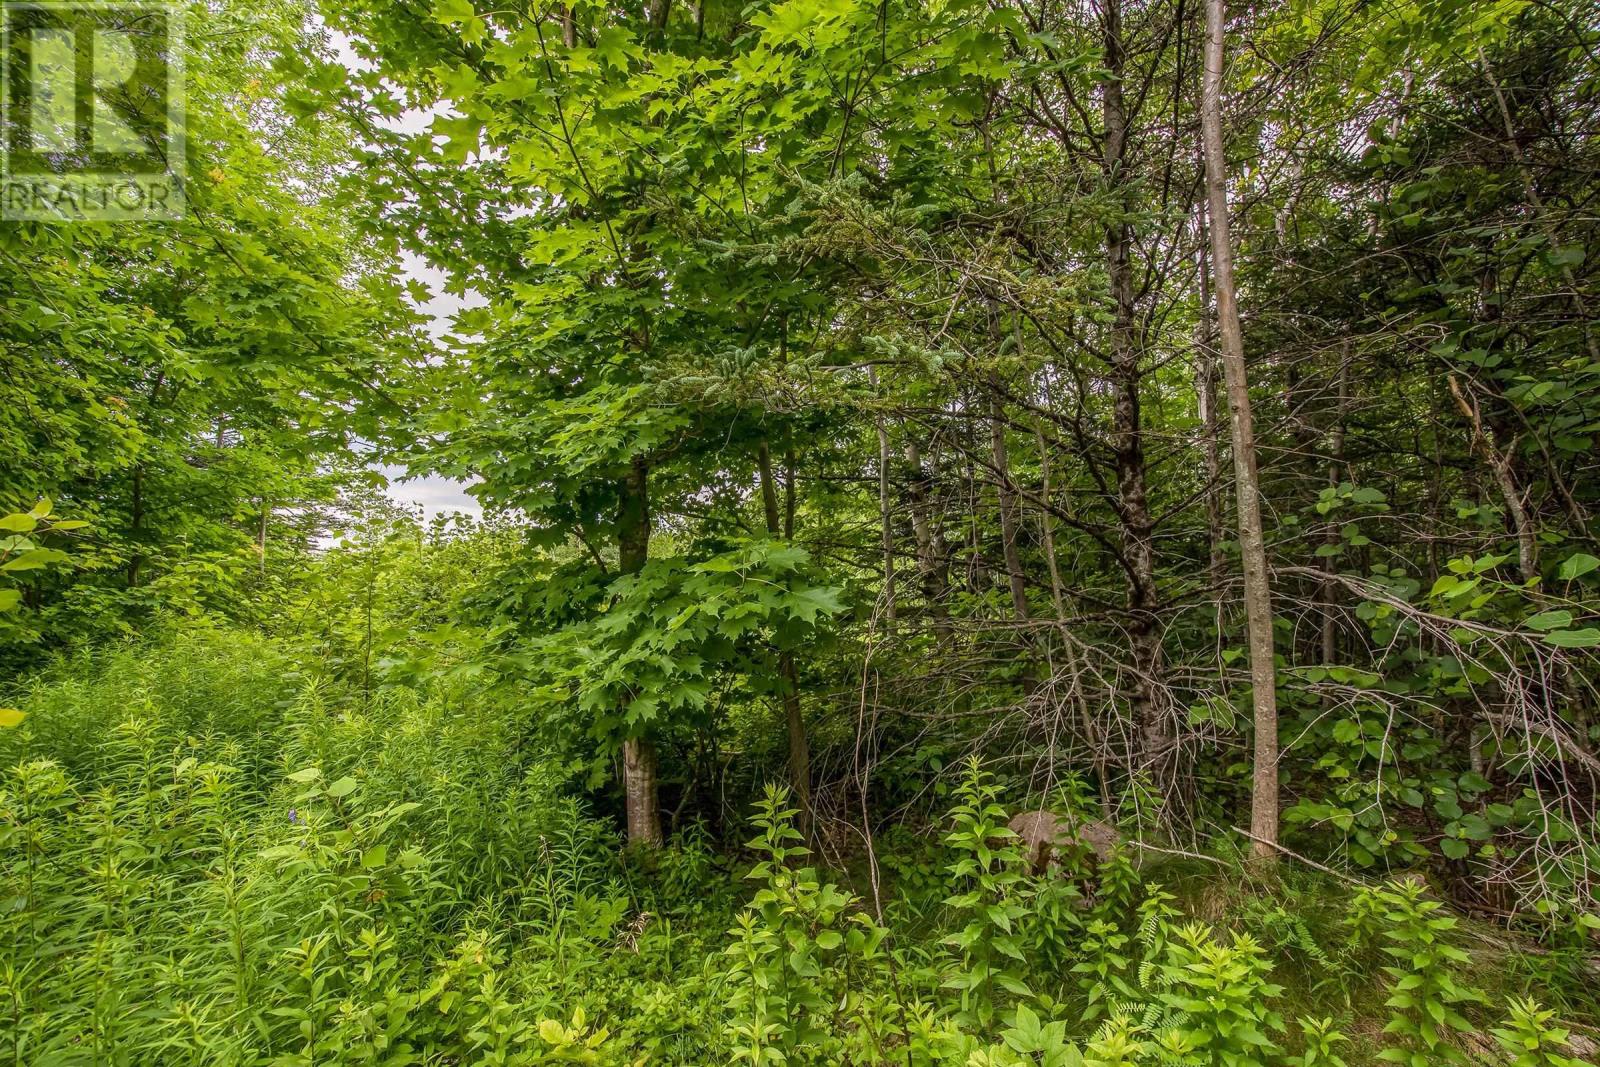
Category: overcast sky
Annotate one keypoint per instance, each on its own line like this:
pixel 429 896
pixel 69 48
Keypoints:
pixel 432 493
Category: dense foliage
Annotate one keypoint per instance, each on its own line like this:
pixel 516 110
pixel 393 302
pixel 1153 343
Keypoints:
pixel 220 848
pixel 1089 505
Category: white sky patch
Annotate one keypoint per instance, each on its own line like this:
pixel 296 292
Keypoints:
pixel 432 494
pixel 441 307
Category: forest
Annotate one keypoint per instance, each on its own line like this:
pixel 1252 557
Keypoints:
pixel 1007 532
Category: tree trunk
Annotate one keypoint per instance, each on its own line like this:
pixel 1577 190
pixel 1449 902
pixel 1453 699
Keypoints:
pixel 1205 387
pixel 884 518
pixel 638 753
pixel 261 536
pixel 1330 587
pixel 1127 436
pixel 788 676
pixel 788 493
pixel 642 796
pixel 932 555
pixel 1252 545
pixel 1008 512
pixel 136 524
pixel 1499 463
pixel 977 566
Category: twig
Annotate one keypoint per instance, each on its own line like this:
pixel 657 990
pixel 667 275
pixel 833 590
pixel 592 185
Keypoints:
pixel 1292 854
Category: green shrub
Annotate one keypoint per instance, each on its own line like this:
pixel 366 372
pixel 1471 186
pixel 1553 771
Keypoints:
pixel 800 955
pixel 1531 1037
pixel 1425 996
pixel 989 901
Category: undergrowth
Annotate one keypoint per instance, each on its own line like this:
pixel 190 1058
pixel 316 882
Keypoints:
pixel 215 854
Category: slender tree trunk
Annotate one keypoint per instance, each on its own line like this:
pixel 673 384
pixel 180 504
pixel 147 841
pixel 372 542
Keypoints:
pixel 1499 463
pixel 261 536
pixel 1205 345
pixel 977 566
pixel 1330 588
pixel 640 787
pixel 1252 545
pixel 136 524
pixel 788 494
pixel 887 523
pixel 1006 497
pixel 884 518
pixel 1127 434
pixel 931 553
pixel 1047 528
pixel 1008 512
pixel 788 676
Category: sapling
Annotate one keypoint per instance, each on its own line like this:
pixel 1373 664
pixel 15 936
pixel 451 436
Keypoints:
pixel 1531 1036
pixel 1425 996
pixel 988 900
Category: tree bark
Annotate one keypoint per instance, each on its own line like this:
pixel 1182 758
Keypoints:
pixel 1252 545
pixel 788 676
pixel 1127 435
pixel 261 536
pixel 136 525
pixel 1499 463
pixel 641 793
pixel 1008 512
pixel 1205 386
pixel 932 554
pixel 884 518
pixel 1330 587
pixel 640 787
pixel 977 566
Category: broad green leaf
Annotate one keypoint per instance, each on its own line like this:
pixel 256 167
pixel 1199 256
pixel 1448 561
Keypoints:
pixel 1576 566
pixel 462 13
pixel 35 558
pixel 1589 637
